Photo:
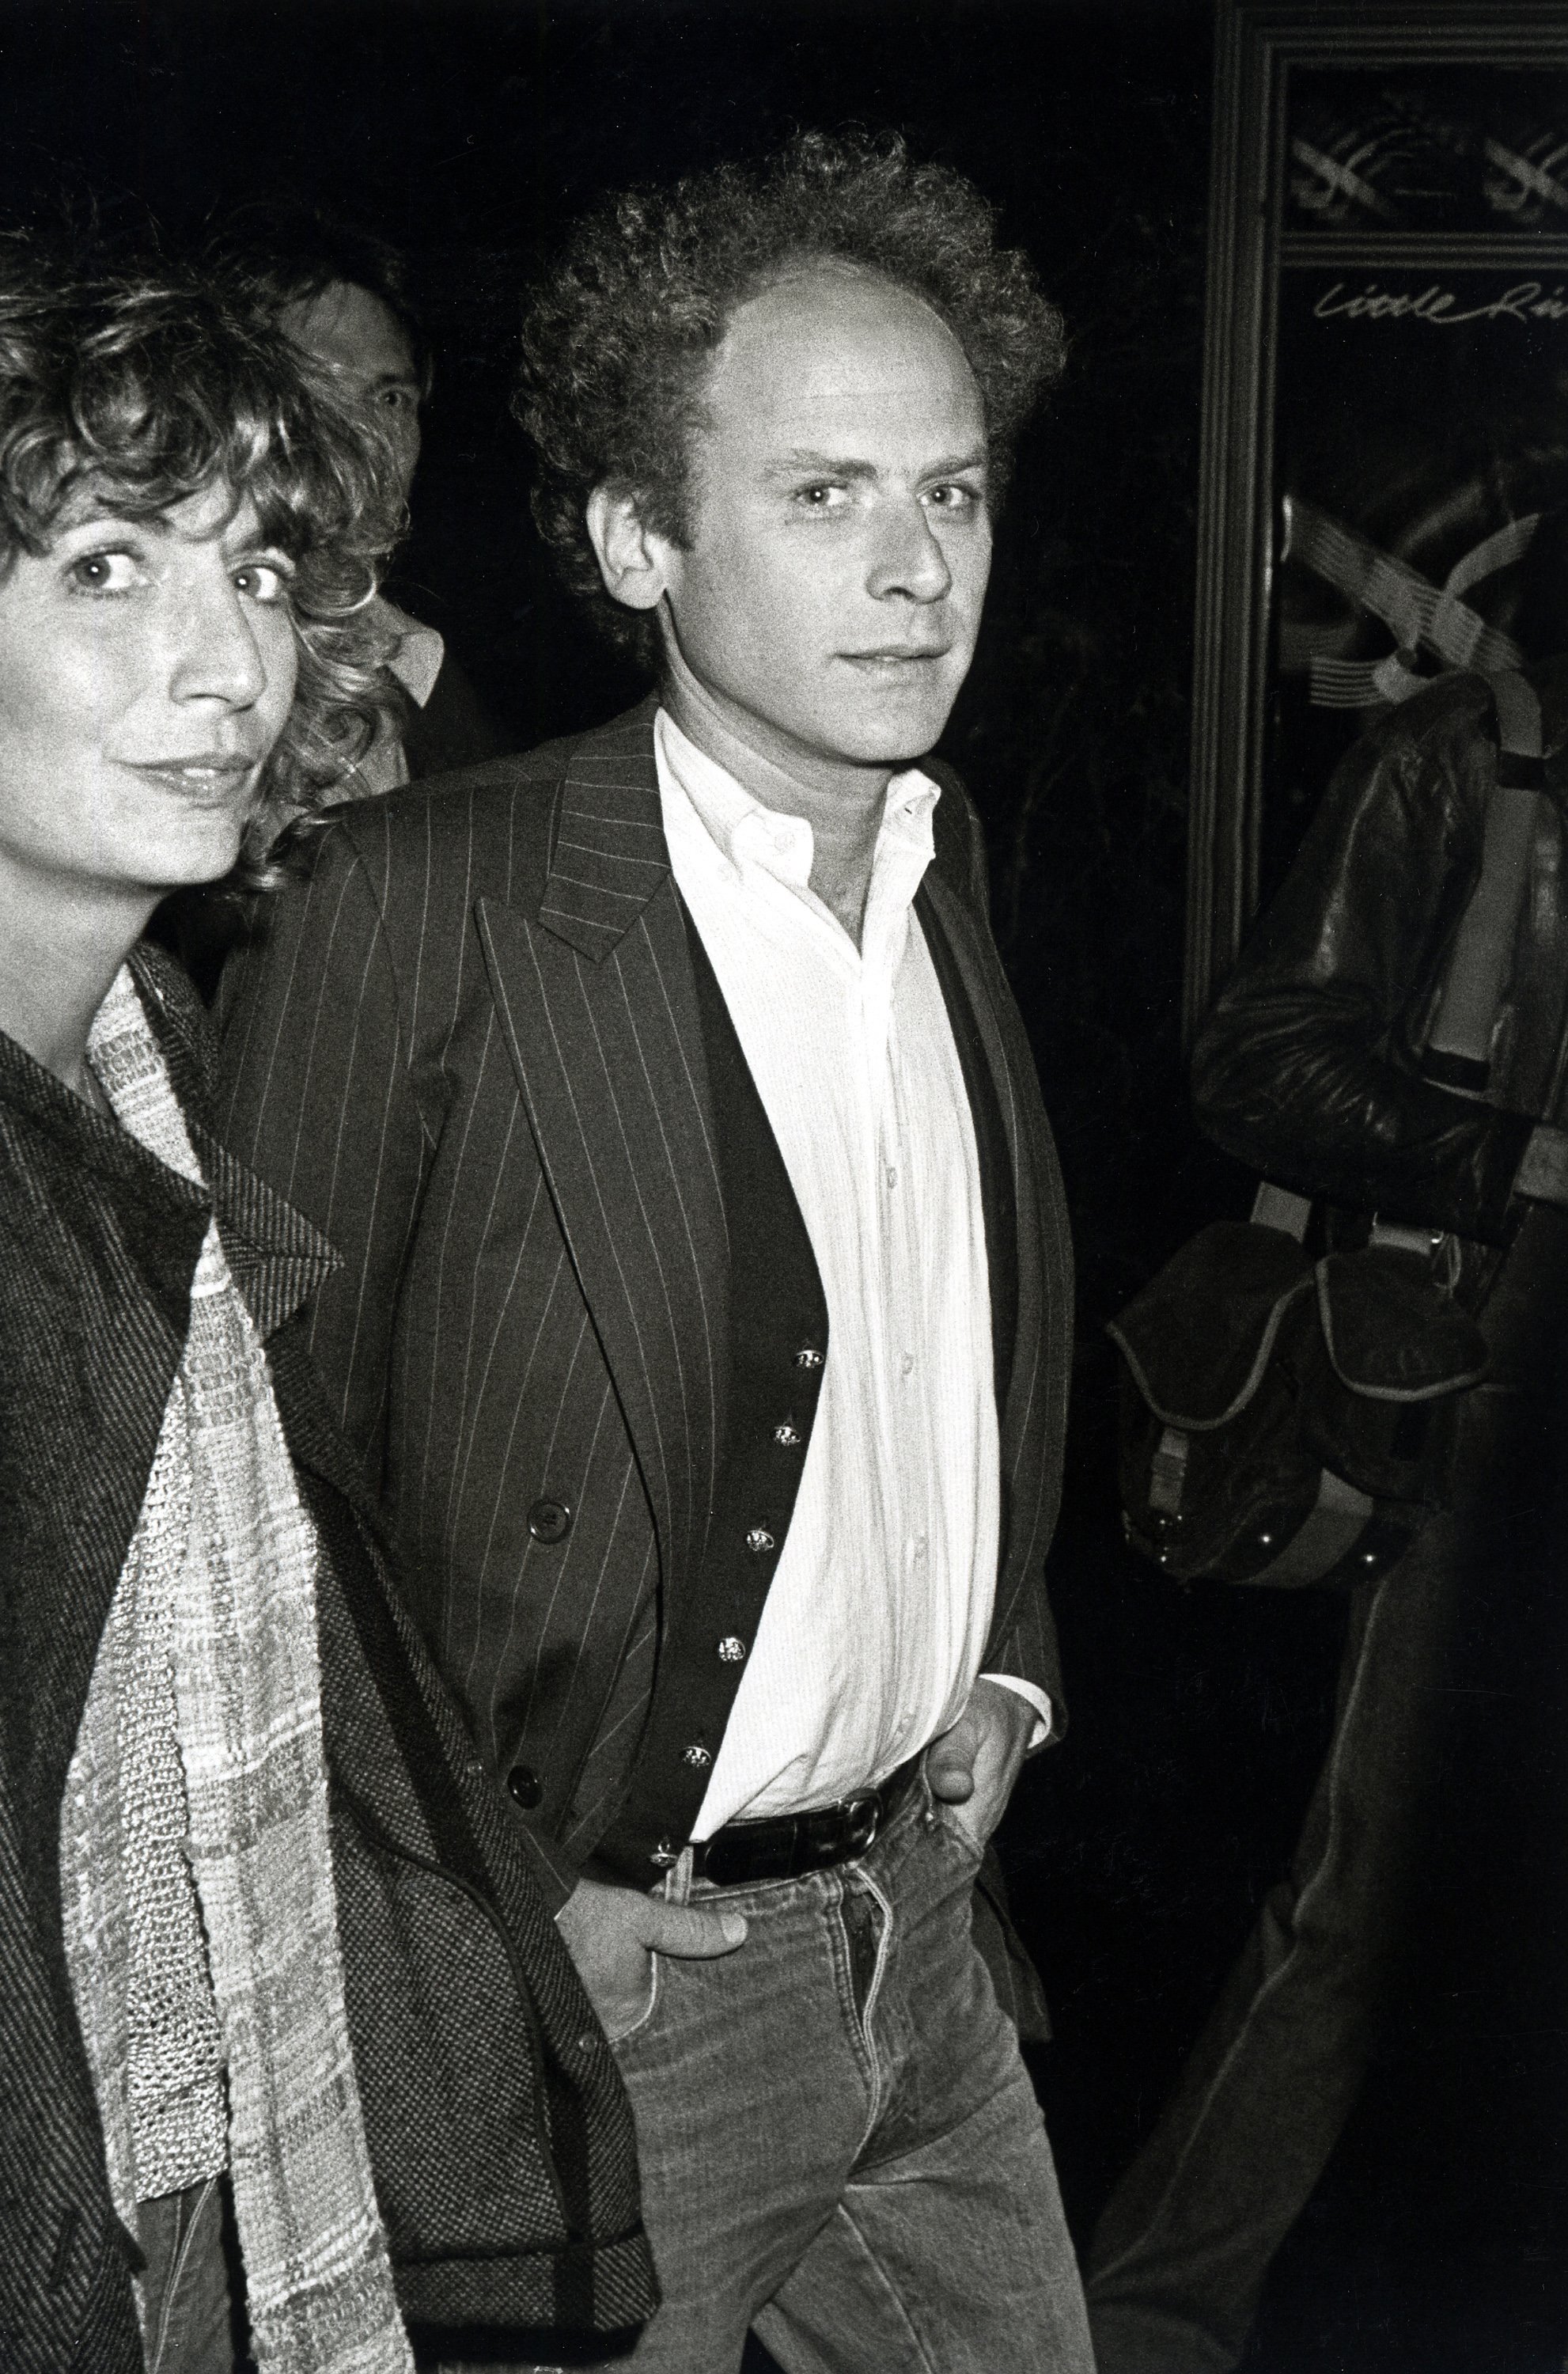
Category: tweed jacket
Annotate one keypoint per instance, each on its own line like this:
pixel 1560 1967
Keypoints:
pixel 501 2141
pixel 468 1047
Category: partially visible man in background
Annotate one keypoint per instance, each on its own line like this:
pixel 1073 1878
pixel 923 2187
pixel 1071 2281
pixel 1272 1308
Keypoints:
pixel 1342 1062
pixel 342 296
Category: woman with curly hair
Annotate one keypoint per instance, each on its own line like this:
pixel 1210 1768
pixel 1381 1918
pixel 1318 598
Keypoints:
pixel 245 1847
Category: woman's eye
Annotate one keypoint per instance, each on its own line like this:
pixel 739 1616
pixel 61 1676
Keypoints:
pixel 104 572
pixel 263 580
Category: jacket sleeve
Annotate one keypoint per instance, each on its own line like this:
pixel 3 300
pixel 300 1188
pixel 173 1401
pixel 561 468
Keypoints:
pixel 1308 1068
pixel 316 1094
pixel 319 1091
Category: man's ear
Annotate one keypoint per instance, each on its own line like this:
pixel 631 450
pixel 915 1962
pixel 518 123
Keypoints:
pixel 631 561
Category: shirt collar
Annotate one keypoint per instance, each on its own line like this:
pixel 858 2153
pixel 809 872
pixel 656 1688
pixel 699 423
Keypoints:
pixel 416 658
pixel 747 833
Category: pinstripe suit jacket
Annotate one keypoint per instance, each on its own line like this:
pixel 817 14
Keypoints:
pixel 468 1048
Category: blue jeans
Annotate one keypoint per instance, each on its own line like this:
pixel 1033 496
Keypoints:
pixel 185 2284
pixel 840 2146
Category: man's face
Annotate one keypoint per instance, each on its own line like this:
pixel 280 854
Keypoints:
pixel 840 538
pixel 361 343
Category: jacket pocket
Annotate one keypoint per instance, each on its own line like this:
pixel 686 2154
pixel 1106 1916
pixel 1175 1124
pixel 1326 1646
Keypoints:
pixel 447 2055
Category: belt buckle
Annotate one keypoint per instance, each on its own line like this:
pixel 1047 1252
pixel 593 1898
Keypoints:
pixel 865 1816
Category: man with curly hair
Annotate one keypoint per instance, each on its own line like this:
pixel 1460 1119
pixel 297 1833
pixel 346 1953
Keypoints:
pixel 705 1308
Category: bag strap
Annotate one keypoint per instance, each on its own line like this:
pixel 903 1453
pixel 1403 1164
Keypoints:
pixel 1278 1207
pixel 1458 1053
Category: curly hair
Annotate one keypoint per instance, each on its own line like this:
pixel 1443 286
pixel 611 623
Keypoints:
pixel 619 335
pixel 139 387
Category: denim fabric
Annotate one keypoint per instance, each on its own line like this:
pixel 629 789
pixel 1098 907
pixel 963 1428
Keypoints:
pixel 186 2321
pixel 1178 2260
pixel 839 2144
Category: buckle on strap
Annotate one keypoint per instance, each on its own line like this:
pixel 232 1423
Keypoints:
pixel 866 1813
pixel 789 1846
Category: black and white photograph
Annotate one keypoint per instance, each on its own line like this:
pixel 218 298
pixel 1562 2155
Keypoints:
pixel 784 1186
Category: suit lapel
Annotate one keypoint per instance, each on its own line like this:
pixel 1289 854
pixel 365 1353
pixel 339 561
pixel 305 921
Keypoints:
pixel 276 1257
pixel 1042 1320
pixel 595 996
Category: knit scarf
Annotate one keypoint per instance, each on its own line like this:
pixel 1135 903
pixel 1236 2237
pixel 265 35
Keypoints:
pixel 226 1553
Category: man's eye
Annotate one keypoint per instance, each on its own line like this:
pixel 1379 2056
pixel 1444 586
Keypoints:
pixel 825 497
pixel 104 572
pixel 956 499
pixel 263 580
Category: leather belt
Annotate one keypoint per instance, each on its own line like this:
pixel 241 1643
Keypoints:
pixel 787 1846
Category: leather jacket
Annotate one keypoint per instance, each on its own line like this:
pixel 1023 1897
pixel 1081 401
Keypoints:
pixel 1308 1068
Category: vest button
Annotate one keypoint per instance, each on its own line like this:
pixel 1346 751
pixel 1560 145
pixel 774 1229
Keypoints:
pixel 787 1436
pixel 524 1787
pixel 699 1758
pixel 808 1357
pixel 759 1540
pixel 731 1650
pixel 549 1521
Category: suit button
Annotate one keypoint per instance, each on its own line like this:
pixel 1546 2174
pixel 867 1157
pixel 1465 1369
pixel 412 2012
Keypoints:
pixel 524 1787
pixel 549 1521
pixel 808 1357
pixel 786 1437
pixel 699 1758
pixel 759 1540
pixel 731 1650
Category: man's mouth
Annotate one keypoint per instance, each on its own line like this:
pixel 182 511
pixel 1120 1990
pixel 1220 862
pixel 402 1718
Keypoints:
pixel 898 655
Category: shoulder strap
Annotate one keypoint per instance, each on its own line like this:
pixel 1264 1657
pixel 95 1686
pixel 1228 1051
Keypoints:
pixel 1458 1053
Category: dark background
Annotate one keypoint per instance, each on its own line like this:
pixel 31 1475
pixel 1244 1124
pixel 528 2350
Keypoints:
pixel 468 131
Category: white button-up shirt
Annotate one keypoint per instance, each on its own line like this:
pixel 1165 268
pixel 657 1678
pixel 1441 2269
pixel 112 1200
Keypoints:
pixel 876 1620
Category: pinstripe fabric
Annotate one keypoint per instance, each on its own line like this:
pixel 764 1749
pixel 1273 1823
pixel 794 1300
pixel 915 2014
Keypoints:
pixel 468 1049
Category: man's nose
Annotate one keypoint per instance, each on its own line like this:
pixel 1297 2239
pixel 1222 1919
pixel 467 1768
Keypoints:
pixel 215 654
pixel 908 559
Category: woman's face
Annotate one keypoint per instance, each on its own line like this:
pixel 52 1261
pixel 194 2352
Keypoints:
pixel 147 668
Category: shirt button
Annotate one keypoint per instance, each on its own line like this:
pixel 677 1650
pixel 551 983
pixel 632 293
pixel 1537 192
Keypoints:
pixel 918 1545
pixel 524 1787
pixel 731 1650
pixel 808 1357
pixel 787 1436
pixel 892 1176
pixel 906 1364
pixel 759 1540
pixel 699 1758
pixel 549 1521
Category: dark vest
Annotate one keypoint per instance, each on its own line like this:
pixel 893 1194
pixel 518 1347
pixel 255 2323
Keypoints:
pixel 777 1346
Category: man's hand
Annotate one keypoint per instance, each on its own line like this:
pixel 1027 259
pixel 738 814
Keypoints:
pixel 611 1934
pixel 973 1765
